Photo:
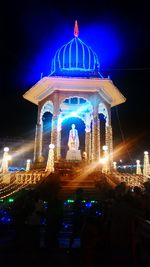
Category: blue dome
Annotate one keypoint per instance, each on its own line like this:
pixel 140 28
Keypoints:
pixel 75 59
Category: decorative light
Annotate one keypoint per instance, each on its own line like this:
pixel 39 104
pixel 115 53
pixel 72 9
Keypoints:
pixel 105 160
pixel 8 157
pixel 5 159
pixel 115 165
pixel 84 155
pixel 146 164
pixel 105 148
pixel 51 146
pixel 138 167
pixel 28 165
pixel 75 49
pixel 11 200
pixel 50 161
pixel 6 149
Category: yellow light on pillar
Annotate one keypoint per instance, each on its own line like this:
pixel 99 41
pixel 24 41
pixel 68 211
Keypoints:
pixel 6 149
pixel 138 167
pixel 105 160
pixel 115 165
pixel 105 148
pixel 28 164
pixel 50 160
pixel 146 163
pixel 51 146
pixel 5 159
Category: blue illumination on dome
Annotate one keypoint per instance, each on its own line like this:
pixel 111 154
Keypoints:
pixel 75 59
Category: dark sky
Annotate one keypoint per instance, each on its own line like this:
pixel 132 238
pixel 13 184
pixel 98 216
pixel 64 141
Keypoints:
pixel 31 31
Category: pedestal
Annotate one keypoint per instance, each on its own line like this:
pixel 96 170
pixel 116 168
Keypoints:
pixel 73 155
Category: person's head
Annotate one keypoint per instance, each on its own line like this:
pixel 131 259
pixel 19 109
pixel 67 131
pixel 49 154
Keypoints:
pixel 120 189
pixel 137 190
pixel 73 126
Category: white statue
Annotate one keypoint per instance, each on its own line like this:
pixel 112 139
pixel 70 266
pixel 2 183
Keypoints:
pixel 73 141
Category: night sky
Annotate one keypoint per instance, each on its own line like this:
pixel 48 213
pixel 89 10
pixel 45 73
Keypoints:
pixel 32 31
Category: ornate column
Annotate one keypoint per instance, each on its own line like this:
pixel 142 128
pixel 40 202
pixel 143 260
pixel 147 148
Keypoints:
pixel 95 137
pixel 88 140
pixel 56 137
pixel 38 143
pixel 58 140
pixel 109 143
pixel 88 143
pixel 56 129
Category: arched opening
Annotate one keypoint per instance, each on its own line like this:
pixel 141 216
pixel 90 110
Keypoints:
pixel 47 126
pixel 66 127
pixel 102 120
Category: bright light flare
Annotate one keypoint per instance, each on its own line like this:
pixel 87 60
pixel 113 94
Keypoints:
pixel 103 160
pixel 105 148
pixel 51 146
pixel 6 149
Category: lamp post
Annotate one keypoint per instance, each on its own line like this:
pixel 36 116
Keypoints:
pixel 5 159
pixel 146 164
pixel 114 165
pixel 50 160
pixel 138 167
pixel 28 165
pixel 105 160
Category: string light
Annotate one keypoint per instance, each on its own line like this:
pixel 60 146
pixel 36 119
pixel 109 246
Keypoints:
pixel 28 164
pixel 5 159
pixel 50 161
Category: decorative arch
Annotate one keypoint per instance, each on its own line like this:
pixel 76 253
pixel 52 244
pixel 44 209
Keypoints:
pixel 47 107
pixel 102 109
pixel 76 106
pixel 62 118
pixel 79 101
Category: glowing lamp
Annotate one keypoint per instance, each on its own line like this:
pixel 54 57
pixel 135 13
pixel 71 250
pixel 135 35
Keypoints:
pixel 51 146
pixel 105 148
pixel 28 160
pixel 145 152
pixel 6 149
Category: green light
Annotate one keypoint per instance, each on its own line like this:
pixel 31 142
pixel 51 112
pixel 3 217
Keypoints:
pixel 10 200
pixel 1 200
pixel 83 201
pixel 70 200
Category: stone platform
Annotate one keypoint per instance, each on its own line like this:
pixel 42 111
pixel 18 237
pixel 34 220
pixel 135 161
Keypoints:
pixel 73 155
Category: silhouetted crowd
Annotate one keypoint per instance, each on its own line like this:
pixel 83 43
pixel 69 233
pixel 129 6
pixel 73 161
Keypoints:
pixel 115 231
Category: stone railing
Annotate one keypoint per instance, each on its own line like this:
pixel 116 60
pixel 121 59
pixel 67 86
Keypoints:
pixel 31 177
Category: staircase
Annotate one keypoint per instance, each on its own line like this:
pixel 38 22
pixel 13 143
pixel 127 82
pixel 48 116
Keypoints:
pixel 71 176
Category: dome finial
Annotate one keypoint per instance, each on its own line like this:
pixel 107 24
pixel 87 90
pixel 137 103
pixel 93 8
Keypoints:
pixel 76 29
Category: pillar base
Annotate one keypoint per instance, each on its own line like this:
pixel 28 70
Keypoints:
pixel 73 155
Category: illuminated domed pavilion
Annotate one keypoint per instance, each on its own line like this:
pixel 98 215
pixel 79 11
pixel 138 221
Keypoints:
pixel 75 88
